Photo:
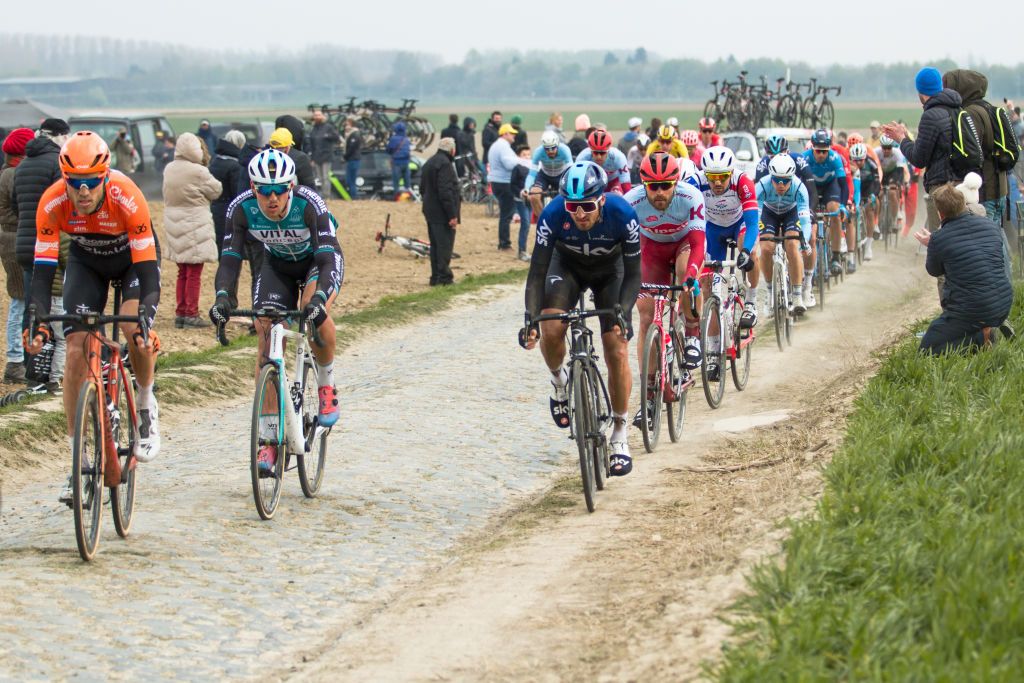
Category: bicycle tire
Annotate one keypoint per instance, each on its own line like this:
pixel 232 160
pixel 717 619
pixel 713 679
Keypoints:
pixel 827 114
pixel 581 416
pixel 809 113
pixel 785 111
pixel 87 476
pixel 739 377
pixel 677 377
pixel 823 270
pixel 311 462
pixel 712 110
pixel 122 496
pixel 778 305
pixel 714 395
pixel 651 423
pixel 787 287
pixel 602 465
pixel 266 491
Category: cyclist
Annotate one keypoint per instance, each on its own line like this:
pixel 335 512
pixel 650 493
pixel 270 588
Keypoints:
pixel 549 162
pixel 672 239
pixel 586 239
pixel 708 136
pixel 848 231
pixel 832 191
pixel 667 142
pixel 601 152
pixel 691 139
pixel 731 206
pixel 853 140
pixel 785 212
pixel 112 238
pixel 895 174
pixel 870 185
pixel 301 252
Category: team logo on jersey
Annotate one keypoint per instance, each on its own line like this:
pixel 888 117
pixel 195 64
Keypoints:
pixel 543 233
pixel 127 201
pixel 144 243
pixel 697 212
pixel 651 219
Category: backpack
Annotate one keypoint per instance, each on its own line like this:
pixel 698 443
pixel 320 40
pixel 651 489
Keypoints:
pixel 1005 148
pixel 965 155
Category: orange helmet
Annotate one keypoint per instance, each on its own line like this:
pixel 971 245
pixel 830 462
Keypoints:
pixel 85 153
pixel 854 139
pixel 659 167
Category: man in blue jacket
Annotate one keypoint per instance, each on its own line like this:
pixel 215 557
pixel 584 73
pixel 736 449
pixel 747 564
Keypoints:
pixel 400 149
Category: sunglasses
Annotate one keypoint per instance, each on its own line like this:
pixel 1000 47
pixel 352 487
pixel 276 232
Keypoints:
pixel 597 153
pixel 707 130
pixel 660 185
pixel 79 183
pixel 587 206
pixel 781 181
pixel 718 177
pixel 279 189
pixel 820 151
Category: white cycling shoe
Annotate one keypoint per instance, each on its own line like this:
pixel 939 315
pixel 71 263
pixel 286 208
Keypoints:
pixel 147 447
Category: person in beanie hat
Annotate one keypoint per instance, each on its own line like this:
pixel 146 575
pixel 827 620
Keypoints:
pixel 14 152
pixel 517 123
pixel 928 81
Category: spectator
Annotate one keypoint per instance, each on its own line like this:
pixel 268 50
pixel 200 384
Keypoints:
pixel 977 293
pixel 521 138
pixel 555 124
pixel 123 152
pixel 628 139
pixel 465 143
pixel 163 151
pixel 304 173
pixel 934 136
pixel 224 167
pixel 189 188
pixel 636 156
pixel 578 142
pixel 874 140
pixel 206 134
pixel 400 149
pixel 323 141
pixel 490 134
pixel 523 209
pixel 353 156
pixel 14 151
pixel 452 131
pixel 439 186
pixel 283 140
pixel 969 188
pixel 501 160
pixel 652 130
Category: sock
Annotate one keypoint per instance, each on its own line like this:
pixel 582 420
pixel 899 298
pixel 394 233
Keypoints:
pixel 146 398
pixel 619 431
pixel 807 281
pixel 751 295
pixel 560 377
pixel 268 426
pixel 798 290
pixel 325 374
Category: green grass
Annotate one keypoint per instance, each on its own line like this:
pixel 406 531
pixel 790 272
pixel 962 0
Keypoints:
pixel 911 568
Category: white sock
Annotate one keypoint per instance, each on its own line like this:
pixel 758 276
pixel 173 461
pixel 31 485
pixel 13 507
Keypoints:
pixel 619 431
pixel 807 281
pixel 798 290
pixel 325 374
pixel 146 398
pixel 751 295
pixel 560 377
pixel 268 426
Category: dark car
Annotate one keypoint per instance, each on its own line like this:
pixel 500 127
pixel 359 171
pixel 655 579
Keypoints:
pixel 142 129
pixel 374 179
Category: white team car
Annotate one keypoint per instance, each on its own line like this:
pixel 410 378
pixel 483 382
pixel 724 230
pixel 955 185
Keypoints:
pixel 749 148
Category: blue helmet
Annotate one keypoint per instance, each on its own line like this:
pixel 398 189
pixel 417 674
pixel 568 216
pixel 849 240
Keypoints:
pixel 821 138
pixel 776 144
pixel 583 180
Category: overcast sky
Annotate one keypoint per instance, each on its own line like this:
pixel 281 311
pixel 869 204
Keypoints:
pixel 818 32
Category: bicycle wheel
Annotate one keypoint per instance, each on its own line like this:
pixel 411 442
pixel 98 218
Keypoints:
pixel 603 414
pixel 266 489
pixel 740 362
pixel 778 304
pixel 786 112
pixel 122 427
pixel 883 223
pixel 808 113
pixel 822 268
pixel 581 416
pixel 712 110
pixel 714 388
pixel 827 114
pixel 651 387
pixel 788 289
pixel 87 471
pixel 311 462
pixel 678 378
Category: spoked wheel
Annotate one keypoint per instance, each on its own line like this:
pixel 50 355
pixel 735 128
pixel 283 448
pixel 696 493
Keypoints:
pixel 827 115
pixel 311 463
pixel 740 363
pixel 788 328
pixel 823 267
pixel 778 304
pixel 266 486
pixel 884 223
pixel 808 113
pixel 714 388
pixel 678 378
pixel 603 413
pixel 87 471
pixel 581 414
pixel 651 387
pixel 122 498
pixel 787 111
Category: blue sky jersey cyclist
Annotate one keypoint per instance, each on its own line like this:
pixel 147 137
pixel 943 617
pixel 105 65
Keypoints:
pixel 615 165
pixel 829 177
pixel 552 167
pixel 792 207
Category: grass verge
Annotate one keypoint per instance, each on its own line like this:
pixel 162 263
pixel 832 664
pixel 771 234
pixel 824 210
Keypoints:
pixel 911 566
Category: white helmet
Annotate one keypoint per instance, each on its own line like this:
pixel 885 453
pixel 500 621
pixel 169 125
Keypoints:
pixel 858 151
pixel 271 167
pixel 672 121
pixel 549 139
pixel 886 141
pixel 718 159
pixel 644 139
pixel 782 166
pixel 634 121
pixel 687 169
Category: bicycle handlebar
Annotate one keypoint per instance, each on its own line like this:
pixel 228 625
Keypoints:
pixel 275 315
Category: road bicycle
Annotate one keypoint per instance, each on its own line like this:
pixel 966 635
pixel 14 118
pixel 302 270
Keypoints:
pixel 298 431
pixel 590 412
pixel 664 378
pixel 106 428
pixel 782 292
pixel 888 223
pixel 788 109
pixel 412 244
pixel 724 307
pixel 819 113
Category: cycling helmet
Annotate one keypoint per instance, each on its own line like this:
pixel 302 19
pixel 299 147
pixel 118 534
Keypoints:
pixel 659 167
pixel 634 121
pixel 854 139
pixel 85 153
pixel 782 166
pixel 718 159
pixel 776 144
pixel 706 123
pixel 599 141
pixel 549 139
pixel 687 169
pixel 690 138
pixel 666 133
pixel 858 151
pixel 643 140
pixel 887 141
pixel 821 138
pixel 672 121
pixel 583 180
pixel 270 167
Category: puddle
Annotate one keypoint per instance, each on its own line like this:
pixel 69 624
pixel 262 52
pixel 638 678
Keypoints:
pixel 745 422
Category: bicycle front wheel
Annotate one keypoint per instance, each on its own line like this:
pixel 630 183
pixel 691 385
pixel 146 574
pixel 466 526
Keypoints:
pixel 827 114
pixel 778 304
pixel 603 414
pixel 87 471
pixel 122 497
pixel 822 268
pixel 651 387
pixel 740 362
pixel 582 417
pixel 678 379
pixel 711 369
pixel 266 485
pixel 311 462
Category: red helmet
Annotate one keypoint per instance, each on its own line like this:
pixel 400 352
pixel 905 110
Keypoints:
pixel 85 153
pixel 599 141
pixel 854 139
pixel 707 124
pixel 659 167
pixel 690 138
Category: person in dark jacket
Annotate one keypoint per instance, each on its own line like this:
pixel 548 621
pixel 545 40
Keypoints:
pixel 400 149
pixel 522 140
pixel 452 131
pixel 224 167
pixel 490 134
pixel 934 135
pixel 439 185
pixel 253 249
pixel 206 134
pixel 465 143
pixel 323 141
pixel 304 173
pixel 523 209
pixel 283 139
pixel 977 293
pixel 353 156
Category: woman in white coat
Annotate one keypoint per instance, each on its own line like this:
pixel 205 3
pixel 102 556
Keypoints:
pixel 189 187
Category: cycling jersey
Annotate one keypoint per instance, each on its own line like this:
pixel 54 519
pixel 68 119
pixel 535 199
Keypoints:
pixel 870 178
pixel 306 233
pixel 732 212
pixel 676 149
pixel 827 172
pixel 540 162
pixel 682 223
pixel 893 161
pixel 119 231
pixel 614 165
pixel 794 199
pixel 803 172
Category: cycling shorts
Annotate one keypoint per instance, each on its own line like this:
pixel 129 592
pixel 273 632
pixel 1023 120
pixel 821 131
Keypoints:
pixel 868 190
pixel 546 182
pixel 896 175
pixel 657 259
pixel 773 224
pixel 279 282
pixel 717 248
pixel 829 192
pixel 87 279
pixel 565 281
